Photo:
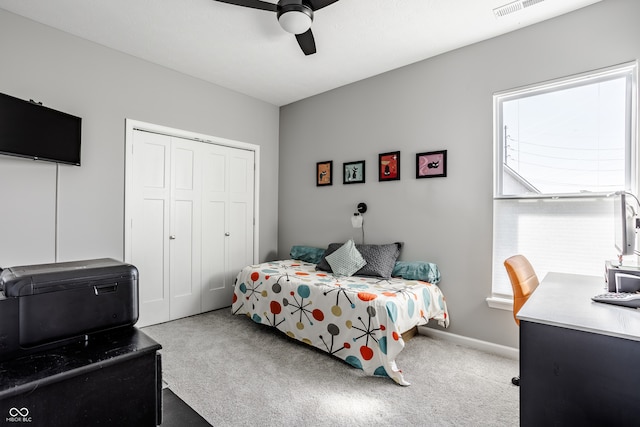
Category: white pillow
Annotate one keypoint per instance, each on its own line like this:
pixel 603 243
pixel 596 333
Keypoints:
pixel 346 260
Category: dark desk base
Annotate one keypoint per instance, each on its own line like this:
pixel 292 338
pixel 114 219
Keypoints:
pixel 112 380
pixel 570 377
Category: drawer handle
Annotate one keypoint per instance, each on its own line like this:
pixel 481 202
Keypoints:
pixel 105 289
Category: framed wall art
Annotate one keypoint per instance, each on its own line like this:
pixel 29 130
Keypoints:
pixel 432 164
pixel 389 166
pixel 353 172
pixel 324 173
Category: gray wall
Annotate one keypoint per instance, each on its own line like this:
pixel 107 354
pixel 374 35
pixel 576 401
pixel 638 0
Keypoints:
pixel 440 103
pixel 105 87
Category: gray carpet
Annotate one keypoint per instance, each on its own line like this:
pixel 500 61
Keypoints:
pixel 235 372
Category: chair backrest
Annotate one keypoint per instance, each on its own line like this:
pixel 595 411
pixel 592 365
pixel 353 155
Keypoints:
pixel 523 281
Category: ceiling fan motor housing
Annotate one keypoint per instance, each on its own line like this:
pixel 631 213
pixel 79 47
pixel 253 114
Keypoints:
pixel 294 16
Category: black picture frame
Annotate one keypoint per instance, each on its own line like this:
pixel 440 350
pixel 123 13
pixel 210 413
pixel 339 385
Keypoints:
pixel 389 166
pixel 353 172
pixel 324 173
pixel 431 164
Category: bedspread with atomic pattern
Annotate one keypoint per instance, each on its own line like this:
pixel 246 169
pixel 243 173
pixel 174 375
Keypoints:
pixel 357 319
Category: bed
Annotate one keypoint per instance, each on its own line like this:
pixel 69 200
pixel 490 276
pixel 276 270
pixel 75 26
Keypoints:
pixel 359 319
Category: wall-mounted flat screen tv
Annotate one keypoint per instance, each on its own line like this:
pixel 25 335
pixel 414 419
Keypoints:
pixel 28 129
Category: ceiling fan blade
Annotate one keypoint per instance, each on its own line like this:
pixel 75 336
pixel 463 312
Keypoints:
pixel 318 4
pixel 307 42
pixel 254 4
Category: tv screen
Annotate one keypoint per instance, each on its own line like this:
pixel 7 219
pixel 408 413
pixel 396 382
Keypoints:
pixel 28 129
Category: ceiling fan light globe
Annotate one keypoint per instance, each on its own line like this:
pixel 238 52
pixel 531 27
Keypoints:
pixel 295 19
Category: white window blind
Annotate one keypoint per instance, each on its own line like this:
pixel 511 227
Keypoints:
pixel 564 235
pixel 560 148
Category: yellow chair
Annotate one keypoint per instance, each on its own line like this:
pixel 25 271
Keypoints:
pixel 523 281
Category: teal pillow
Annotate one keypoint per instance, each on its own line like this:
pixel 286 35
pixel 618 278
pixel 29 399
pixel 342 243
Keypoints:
pixel 306 254
pixel 417 270
pixel 346 260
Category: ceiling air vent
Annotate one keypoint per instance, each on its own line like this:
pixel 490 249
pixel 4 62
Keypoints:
pixel 528 3
pixel 514 7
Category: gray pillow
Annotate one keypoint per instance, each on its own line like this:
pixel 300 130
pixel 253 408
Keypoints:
pixel 380 259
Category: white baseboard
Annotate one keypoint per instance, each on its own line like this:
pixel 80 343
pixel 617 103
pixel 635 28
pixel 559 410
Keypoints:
pixel 500 350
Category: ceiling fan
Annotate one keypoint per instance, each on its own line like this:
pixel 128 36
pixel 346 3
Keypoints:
pixel 294 16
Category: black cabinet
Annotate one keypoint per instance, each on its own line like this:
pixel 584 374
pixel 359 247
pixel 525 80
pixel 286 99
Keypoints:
pixel 578 358
pixel 112 379
pixel 570 377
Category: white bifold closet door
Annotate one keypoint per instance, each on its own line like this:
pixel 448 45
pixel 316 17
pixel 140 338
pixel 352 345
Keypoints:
pixel 185 224
pixel 192 223
pixel 227 220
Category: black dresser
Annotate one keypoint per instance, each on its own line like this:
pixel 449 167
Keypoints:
pixel 113 378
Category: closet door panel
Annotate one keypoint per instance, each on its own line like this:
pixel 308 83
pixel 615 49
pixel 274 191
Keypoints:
pixel 214 164
pixel 152 253
pixel 155 162
pixel 185 228
pixel 241 214
pixel 241 238
pixel 215 233
pixel 150 224
pixel 213 256
pixel 240 184
pixel 182 249
pixel 184 167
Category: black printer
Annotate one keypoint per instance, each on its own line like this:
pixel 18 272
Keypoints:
pixel 48 305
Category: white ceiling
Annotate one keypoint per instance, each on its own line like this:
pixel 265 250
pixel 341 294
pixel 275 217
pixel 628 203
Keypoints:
pixel 245 49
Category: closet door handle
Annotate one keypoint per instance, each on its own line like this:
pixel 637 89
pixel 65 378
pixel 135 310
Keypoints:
pixel 227 234
pixel 172 237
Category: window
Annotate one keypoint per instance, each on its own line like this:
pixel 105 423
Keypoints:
pixel 560 148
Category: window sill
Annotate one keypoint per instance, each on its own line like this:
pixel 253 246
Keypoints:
pixel 499 302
